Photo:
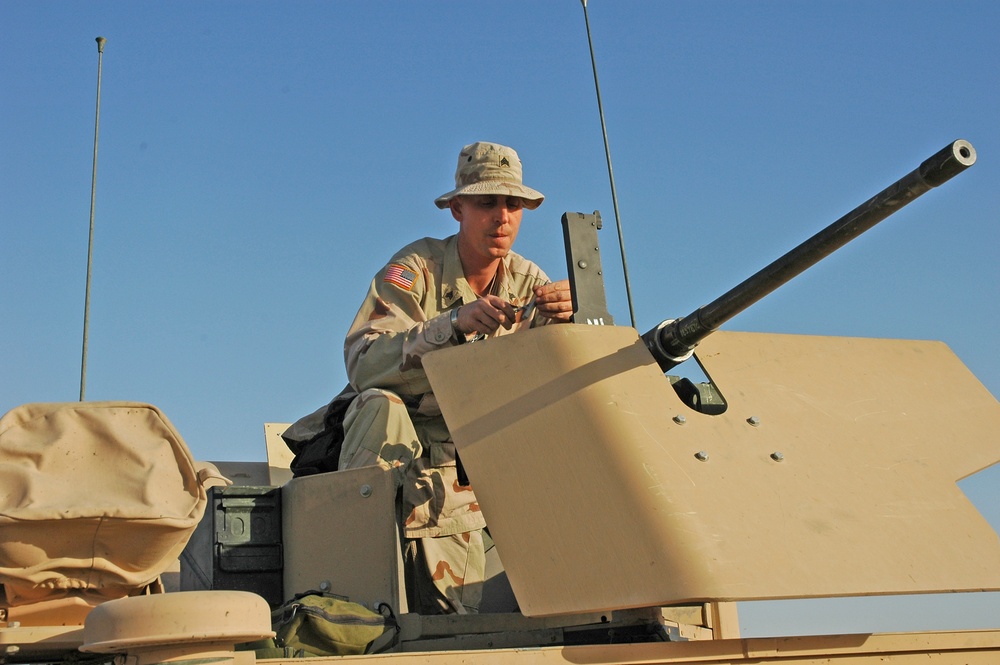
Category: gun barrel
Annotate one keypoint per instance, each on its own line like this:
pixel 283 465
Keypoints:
pixel 674 340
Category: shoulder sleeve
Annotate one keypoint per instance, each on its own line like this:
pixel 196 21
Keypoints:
pixel 526 273
pixel 397 323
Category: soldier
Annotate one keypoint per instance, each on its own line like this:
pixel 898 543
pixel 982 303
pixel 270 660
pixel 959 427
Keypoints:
pixel 436 293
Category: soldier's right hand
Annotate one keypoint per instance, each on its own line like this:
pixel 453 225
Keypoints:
pixel 484 316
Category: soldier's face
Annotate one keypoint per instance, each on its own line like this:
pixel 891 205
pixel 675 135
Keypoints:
pixel 488 224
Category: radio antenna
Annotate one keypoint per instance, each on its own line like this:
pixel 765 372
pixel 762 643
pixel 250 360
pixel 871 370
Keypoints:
pixel 90 243
pixel 611 173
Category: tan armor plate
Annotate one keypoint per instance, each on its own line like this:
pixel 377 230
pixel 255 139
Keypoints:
pixel 599 499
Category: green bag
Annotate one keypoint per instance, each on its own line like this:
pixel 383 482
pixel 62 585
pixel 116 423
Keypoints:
pixel 322 624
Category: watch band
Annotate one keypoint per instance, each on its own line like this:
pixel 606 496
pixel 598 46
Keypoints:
pixel 459 335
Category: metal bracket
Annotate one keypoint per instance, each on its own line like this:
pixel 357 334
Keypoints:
pixel 583 259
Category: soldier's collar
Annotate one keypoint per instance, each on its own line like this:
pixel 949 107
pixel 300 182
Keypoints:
pixel 454 286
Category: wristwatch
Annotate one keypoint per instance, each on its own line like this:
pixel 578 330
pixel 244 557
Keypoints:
pixel 459 335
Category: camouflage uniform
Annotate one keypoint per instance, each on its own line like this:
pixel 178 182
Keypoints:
pixel 395 421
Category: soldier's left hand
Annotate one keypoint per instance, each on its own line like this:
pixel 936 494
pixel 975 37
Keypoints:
pixel 554 300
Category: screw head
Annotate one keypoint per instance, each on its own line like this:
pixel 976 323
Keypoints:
pixel 366 491
pixel 754 420
pixel 680 419
pixel 701 456
pixel 778 456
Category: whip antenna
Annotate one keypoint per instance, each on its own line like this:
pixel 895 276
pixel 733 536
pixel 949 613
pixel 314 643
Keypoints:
pixel 611 173
pixel 90 243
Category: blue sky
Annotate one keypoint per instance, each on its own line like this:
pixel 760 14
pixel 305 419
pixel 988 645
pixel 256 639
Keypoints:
pixel 260 161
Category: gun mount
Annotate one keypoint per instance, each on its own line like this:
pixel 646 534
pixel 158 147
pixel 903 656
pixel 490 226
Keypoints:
pixel 688 527
pixel 674 340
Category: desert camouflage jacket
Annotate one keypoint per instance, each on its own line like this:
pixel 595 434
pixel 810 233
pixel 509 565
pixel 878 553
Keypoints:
pixel 406 314
pixel 407 309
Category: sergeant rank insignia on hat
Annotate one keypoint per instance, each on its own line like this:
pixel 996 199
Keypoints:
pixel 401 276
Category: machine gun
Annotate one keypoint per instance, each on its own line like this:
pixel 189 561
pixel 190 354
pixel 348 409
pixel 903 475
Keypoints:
pixel 674 340
pixel 810 477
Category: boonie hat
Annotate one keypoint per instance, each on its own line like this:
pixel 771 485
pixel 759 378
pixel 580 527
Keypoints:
pixel 490 168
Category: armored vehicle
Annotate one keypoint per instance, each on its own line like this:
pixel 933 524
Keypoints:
pixel 632 509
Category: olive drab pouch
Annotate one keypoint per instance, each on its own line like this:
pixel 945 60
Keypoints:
pixel 315 624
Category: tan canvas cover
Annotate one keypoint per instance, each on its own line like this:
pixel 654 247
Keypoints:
pixel 96 499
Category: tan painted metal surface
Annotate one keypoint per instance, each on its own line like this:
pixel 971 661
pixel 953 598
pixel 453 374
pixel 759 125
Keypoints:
pixel 935 648
pixel 172 619
pixel 597 498
pixel 339 534
pixel 279 455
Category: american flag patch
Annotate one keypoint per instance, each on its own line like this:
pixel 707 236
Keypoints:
pixel 401 276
